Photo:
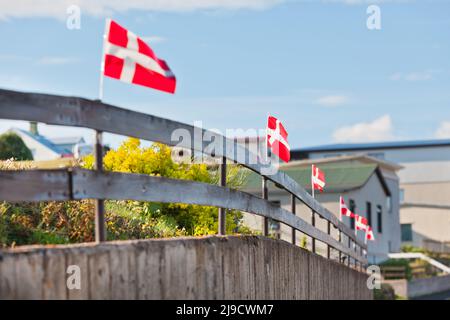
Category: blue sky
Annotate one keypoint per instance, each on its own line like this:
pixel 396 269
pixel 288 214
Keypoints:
pixel 314 64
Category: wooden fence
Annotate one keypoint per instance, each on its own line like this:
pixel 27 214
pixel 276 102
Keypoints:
pixel 77 184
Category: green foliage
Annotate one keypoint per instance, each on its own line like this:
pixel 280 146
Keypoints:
pixel 399 263
pixel 12 146
pixel 385 293
pixel 412 249
pixel 73 221
pixel 156 160
pixel 304 242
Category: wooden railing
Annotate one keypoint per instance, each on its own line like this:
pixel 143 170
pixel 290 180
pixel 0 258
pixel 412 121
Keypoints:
pixel 76 184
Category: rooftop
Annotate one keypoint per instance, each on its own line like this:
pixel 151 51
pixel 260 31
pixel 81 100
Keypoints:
pixel 44 141
pixel 375 146
pixel 340 177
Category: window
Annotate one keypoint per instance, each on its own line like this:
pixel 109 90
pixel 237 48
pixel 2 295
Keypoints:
pixel 380 219
pixel 369 213
pixel 389 204
pixel 352 209
pixel 402 195
pixel 407 235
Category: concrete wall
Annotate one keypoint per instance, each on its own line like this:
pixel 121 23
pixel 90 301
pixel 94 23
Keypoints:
pixel 420 287
pixel 433 193
pixel 184 268
pixel 427 223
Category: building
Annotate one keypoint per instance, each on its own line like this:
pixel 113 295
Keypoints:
pixel 424 185
pixel 43 148
pixel 369 186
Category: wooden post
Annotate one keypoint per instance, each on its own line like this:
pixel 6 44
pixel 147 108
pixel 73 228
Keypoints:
pixel 293 210
pixel 313 223
pixel 223 183
pixel 265 195
pixel 329 247
pixel 100 229
pixel 349 246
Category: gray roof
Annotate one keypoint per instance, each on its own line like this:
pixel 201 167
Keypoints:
pixel 67 140
pixel 376 145
pixel 44 141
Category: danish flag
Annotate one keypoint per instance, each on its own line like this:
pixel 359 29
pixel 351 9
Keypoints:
pixel 317 178
pixel 344 211
pixel 277 139
pixel 361 223
pixel 129 59
pixel 369 234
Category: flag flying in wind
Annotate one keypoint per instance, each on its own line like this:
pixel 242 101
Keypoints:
pixel 317 178
pixel 129 59
pixel 361 223
pixel 277 139
pixel 344 211
pixel 369 234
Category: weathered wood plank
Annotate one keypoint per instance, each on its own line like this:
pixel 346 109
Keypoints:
pixel 34 185
pixel 79 112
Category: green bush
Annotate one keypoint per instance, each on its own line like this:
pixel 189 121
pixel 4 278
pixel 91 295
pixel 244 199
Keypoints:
pixel 385 293
pixel 12 146
pixel 399 263
pixel 73 221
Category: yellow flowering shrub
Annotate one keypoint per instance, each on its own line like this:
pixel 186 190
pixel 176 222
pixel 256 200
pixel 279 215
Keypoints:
pixel 156 160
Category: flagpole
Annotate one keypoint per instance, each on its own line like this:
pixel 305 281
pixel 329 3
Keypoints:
pixel 102 64
pixel 100 226
pixel 267 141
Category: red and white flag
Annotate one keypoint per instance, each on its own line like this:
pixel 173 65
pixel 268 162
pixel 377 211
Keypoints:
pixel 344 211
pixel 129 59
pixel 361 223
pixel 369 234
pixel 317 179
pixel 277 139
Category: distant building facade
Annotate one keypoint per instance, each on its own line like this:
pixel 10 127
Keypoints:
pixel 43 148
pixel 424 185
pixel 369 186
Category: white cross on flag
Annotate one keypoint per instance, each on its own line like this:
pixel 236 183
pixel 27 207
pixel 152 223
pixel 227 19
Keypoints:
pixel 361 223
pixel 129 59
pixel 317 178
pixel 277 139
pixel 369 234
pixel 344 211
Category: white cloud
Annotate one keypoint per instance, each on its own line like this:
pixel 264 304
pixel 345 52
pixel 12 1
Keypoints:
pixel 55 60
pixel 414 76
pixel 378 130
pixel 357 2
pixel 57 9
pixel 443 132
pixel 332 101
pixel 153 39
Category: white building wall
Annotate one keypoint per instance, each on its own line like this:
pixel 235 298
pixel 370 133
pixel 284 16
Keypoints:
pixel 39 151
pixel 389 241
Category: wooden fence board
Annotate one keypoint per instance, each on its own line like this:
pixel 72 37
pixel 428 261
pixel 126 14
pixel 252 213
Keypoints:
pixel 93 114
